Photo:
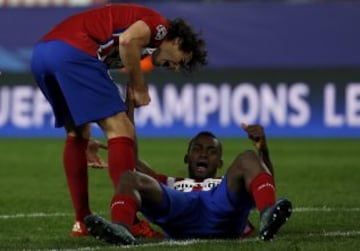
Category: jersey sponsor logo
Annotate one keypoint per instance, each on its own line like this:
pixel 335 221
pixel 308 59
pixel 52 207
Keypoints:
pixel 190 185
pixel 161 32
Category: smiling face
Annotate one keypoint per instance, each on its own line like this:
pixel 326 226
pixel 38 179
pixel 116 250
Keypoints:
pixel 204 156
pixel 170 56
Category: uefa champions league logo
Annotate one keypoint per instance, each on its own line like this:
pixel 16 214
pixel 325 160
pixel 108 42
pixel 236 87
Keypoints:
pixel 161 32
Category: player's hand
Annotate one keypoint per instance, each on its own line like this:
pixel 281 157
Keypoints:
pixel 141 95
pixel 93 159
pixel 256 135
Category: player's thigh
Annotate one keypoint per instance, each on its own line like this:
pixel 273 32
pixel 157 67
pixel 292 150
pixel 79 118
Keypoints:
pixel 225 212
pixel 49 85
pixel 89 91
pixel 223 200
pixel 175 207
pixel 149 189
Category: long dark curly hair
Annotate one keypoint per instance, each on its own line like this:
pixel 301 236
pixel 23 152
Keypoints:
pixel 191 42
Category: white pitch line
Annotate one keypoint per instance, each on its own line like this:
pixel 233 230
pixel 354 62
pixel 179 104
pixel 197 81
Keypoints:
pixel 196 241
pixel 297 210
pixel 326 209
pixel 34 215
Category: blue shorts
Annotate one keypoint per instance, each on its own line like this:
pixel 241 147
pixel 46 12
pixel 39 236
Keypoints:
pixel 218 213
pixel 77 85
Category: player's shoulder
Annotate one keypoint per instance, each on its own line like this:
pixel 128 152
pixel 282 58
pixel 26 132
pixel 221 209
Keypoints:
pixel 133 7
pixel 135 12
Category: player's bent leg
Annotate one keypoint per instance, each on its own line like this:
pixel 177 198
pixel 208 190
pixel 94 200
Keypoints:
pixel 120 133
pixel 248 172
pixel 109 232
pixel 150 192
pixel 243 170
pixel 272 218
pixel 148 187
pixel 133 189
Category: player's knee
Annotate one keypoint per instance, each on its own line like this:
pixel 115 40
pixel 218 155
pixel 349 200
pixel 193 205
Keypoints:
pixel 146 183
pixel 85 131
pixel 128 182
pixel 134 181
pixel 249 155
pixel 248 161
pixel 118 125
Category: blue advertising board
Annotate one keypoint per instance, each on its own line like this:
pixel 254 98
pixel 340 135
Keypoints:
pixel 298 104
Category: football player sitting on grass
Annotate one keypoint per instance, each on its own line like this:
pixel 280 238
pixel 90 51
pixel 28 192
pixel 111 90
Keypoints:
pixel 202 205
pixel 140 228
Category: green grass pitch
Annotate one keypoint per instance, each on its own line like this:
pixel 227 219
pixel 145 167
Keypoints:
pixel 321 177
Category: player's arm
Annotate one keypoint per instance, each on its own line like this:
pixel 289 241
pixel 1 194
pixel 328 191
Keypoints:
pixel 141 166
pixel 257 135
pixel 131 43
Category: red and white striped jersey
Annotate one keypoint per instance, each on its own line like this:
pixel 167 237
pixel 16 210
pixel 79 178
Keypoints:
pixel 96 31
pixel 189 185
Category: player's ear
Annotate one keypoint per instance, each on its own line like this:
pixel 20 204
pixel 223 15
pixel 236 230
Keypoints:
pixel 186 159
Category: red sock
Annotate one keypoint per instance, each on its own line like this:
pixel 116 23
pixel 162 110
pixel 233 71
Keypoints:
pixel 76 171
pixel 121 157
pixel 263 190
pixel 123 209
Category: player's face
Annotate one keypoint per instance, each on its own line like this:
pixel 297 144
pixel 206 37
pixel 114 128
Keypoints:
pixel 204 158
pixel 169 55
